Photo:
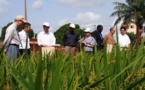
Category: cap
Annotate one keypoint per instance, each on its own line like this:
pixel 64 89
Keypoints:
pixel 20 17
pixel 87 30
pixel 72 25
pixel 46 24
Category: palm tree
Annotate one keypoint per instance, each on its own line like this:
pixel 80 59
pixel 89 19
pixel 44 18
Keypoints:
pixel 131 10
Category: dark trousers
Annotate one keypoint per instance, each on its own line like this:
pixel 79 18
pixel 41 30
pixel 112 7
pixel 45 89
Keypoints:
pixel 25 52
pixel 100 47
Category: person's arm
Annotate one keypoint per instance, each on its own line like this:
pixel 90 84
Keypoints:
pixel 89 45
pixel 39 39
pixel 8 37
pixel 53 40
pixel 82 40
pixel 92 44
pixel 105 39
pixel 22 39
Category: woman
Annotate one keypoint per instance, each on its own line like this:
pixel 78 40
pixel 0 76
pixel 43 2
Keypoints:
pixel 88 41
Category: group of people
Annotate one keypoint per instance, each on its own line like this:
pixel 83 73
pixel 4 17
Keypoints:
pixel 17 43
pixel 123 39
pixel 95 39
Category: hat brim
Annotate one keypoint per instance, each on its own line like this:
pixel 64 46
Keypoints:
pixel 72 27
pixel 46 25
pixel 24 21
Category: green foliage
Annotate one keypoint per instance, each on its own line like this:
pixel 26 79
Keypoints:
pixel 132 37
pixel 31 33
pixel 60 32
pixel 131 10
pixel 3 31
pixel 35 35
pixel 118 70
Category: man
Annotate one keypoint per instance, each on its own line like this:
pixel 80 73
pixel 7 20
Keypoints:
pixel 12 40
pixel 97 34
pixel 25 47
pixel 124 40
pixel 46 40
pixel 109 40
pixel 70 40
pixel 88 41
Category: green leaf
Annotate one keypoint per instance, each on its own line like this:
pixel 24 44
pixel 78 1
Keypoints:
pixel 20 79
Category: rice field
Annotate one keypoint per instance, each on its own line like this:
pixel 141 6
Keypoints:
pixel 119 70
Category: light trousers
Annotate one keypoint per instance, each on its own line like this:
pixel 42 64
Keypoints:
pixel 70 49
pixel 109 48
pixel 48 51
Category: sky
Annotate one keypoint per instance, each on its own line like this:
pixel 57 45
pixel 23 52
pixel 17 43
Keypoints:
pixel 86 13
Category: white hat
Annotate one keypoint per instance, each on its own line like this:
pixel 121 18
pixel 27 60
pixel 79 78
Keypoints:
pixel 20 17
pixel 72 25
pixel 87 30
pixel 46 24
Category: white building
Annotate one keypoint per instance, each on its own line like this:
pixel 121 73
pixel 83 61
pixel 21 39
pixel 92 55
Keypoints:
pixel 131 27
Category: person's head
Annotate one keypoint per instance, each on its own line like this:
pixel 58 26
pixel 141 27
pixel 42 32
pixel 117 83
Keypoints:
pixel 112 30
pixel 26 27
pixel 19 20
pixel 100 28
pixel 122 30
pixel 72 27
pixel 46 27
pixel 87 32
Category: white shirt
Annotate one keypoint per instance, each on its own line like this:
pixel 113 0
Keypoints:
pixel 23 38
pixel 124 40
pixel 46 38
pixel 11 36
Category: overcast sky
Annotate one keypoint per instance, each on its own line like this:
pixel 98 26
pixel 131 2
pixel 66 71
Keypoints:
pixel 86 13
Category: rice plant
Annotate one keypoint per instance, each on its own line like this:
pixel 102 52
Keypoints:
pixel 119 70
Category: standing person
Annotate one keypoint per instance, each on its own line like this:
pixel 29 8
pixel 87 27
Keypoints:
pixel 124 40
pixel 12 40
pixel 25 47
pixel 109 39
pixel 97 34
pixel 88 41
pixel 46 40
pixel 70 40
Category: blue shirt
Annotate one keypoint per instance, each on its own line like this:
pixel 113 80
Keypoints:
pixel 90 41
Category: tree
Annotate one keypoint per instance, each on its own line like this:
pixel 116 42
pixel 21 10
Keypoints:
pixel 131 10
pixel 132 37
pixel 31 33
pixel 60 32
pixel 3 31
